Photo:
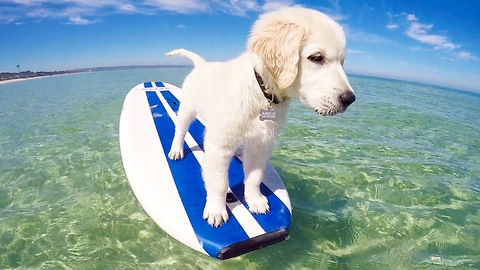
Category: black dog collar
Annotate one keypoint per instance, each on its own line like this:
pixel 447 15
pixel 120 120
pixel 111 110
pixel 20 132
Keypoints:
pixel 272 98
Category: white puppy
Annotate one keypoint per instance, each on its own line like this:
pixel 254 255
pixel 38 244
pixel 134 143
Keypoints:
pixel 291 53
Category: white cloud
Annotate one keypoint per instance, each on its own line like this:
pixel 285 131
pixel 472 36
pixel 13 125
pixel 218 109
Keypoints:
pixel 179 6
pixel 76 11
pixel 392 26
pixel 412 17
pixel 243 7
pixel 428 40
pixel 127 7
pixel 40 13
pixel 238 8
pixel 73 11
pixel 420 33
pixel 271 5
pixel 351 51
pixel 335 4
pixel 420 49
pixel 463 55
pixel 81 21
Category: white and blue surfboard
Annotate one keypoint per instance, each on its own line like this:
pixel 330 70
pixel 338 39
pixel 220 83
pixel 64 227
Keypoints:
pixel 172 193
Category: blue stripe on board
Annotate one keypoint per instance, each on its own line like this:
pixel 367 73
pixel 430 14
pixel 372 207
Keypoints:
pixel 279 215
pixel 187 175
pixel 147 85
pixel 159 84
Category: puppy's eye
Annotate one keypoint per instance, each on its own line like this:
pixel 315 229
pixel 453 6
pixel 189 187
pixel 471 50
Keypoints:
pixel 317 58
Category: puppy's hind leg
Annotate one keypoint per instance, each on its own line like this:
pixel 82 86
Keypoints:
pixel 255 159
pixel 184 119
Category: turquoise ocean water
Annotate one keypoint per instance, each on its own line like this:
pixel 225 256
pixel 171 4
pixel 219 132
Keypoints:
pixel 393 183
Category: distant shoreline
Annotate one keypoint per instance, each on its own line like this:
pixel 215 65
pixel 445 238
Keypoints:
pixel 32 78
pixel 13 80
pixel 9 77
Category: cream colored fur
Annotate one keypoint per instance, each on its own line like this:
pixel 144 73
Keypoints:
pixel 228 98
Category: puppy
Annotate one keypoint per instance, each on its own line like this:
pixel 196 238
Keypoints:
pixel 291 53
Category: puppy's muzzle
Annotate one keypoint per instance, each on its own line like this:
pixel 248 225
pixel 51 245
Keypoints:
pixel 346 99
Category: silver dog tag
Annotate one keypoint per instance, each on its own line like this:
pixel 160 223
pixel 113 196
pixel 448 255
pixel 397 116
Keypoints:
pixel 268 114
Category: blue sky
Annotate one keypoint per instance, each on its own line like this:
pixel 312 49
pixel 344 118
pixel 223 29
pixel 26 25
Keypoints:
pixel 430 41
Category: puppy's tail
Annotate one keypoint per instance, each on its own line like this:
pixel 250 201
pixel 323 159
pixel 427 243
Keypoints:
pixel 197 59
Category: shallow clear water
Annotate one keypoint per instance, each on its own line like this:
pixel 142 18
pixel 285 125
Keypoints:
pixel 393 183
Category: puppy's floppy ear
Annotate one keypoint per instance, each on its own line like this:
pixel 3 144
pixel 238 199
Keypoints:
pixel 278 44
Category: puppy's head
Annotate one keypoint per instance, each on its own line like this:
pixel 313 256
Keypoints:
pixel 304 50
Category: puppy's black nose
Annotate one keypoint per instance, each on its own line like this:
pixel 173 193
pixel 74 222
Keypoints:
pixel 347 98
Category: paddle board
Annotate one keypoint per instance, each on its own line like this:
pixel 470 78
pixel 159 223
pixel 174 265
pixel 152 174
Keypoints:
pixel 172 193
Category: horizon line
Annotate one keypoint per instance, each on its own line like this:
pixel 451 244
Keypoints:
pixel 355 73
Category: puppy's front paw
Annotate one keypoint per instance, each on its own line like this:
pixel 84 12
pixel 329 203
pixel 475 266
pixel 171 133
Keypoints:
pixel 175 154
pixel 257 204
pixel 215 213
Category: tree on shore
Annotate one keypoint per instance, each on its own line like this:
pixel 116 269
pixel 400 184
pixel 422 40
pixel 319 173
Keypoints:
pixel 18 67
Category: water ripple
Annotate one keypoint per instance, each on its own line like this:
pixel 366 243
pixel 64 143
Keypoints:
pixel 393 183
